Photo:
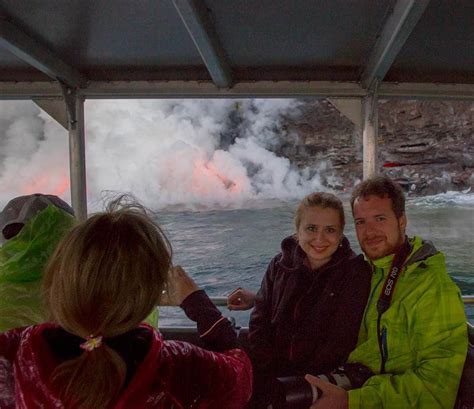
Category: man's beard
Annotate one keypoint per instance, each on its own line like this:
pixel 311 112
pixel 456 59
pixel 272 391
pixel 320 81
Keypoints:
pixel 388 248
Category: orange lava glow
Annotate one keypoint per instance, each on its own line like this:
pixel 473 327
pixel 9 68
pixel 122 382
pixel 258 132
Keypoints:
pixel 44 183
pixel 205 173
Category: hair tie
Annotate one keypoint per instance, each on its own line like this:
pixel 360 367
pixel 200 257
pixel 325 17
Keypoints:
pixel 91 343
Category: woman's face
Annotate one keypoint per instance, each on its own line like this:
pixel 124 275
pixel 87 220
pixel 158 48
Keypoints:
pixel 319 234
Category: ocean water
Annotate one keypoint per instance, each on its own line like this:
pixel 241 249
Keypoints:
pixel 225 249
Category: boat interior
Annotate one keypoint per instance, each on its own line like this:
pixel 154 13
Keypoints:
pixel 59 53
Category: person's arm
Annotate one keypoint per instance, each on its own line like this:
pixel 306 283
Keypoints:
pixel 9 343
pixel 203 378
pixel 261 333
pixel 214 379
pixel 215 331
pixel 439 340
pixel 241 299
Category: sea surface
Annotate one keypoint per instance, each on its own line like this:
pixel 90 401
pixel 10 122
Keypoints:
pixel 225 249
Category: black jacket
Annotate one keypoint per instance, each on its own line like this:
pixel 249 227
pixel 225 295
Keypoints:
pixel 307 321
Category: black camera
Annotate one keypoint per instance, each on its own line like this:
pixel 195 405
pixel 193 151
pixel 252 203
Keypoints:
pixel 295 392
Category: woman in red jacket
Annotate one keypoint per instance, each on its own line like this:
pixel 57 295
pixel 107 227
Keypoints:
pixel 103 280
pixel 310 304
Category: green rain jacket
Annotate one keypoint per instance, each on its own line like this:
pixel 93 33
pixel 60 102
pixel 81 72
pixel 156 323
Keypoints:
pixel 426 336
pixel 22 260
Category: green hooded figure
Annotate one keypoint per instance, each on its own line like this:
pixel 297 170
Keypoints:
pixel 31 226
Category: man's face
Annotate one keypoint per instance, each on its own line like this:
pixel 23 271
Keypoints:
pixel 379 231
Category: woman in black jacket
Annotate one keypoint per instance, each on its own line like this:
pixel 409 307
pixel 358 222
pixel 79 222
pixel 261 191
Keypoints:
pixel 311 301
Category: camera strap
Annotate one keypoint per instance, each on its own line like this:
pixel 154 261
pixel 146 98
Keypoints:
pixel 385 297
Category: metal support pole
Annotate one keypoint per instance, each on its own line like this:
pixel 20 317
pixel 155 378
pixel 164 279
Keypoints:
pixel 370 135
pixel 77 152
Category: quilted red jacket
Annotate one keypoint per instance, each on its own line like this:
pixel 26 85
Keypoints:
pixel 172 374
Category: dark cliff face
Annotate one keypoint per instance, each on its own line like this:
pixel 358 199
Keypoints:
pixel 427 145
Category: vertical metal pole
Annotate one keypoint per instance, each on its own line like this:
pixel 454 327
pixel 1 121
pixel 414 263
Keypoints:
pixel 77 160
pixel 370 135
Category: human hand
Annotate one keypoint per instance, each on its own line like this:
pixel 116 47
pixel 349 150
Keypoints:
pixel 181 285
pixel 333 396
pixel 241 299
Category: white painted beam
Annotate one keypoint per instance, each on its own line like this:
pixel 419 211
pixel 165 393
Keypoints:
pixel 77 157
pixel 370 136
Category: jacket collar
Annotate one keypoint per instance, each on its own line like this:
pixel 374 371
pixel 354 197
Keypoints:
pixel 421 250
pixel 35 355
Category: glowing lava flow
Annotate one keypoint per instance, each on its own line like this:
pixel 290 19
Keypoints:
pixel 207 178
pixel 44 183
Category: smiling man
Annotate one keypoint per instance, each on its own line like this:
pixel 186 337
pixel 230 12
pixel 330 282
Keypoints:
pixel 413 335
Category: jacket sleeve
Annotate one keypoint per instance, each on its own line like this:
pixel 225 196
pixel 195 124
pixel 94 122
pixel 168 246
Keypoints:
pixel 439 340
pixel 215 331
pixel 9 343
pixel 261 333
pixel 213 380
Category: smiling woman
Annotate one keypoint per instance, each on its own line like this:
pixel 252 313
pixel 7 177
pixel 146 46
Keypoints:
pixel 299 324
pixel 320 229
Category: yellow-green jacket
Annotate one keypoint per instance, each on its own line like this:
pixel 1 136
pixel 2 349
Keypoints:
pixel 426 336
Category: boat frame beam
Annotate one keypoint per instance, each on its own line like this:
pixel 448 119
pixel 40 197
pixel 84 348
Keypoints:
pixel 259 89
pixel 77 151
pixel 398 27
pixel 370 134
pixel 195 17
pixel 37 55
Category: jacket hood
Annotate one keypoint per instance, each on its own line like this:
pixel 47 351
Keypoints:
pixel 422 249
pixel 35 362
pixel 292 256
pixel 22 260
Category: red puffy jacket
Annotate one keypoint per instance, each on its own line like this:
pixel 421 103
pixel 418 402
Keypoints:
pixel 173 374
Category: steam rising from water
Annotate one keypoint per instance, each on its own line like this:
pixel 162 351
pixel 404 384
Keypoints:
pixel 166 152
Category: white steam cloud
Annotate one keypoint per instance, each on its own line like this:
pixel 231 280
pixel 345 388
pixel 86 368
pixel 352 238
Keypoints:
pixel 166 152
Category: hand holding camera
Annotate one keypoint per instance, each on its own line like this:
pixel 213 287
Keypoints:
pixel 330 396
pixel 326 391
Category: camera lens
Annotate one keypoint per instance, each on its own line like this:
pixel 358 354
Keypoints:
pixel 293 393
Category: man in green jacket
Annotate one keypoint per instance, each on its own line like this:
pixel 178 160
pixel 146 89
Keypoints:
pixel 414 335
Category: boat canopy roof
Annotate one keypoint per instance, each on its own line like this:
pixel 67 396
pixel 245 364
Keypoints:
pixel 238 48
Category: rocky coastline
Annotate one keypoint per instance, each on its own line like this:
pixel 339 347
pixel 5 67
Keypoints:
pixel 428 146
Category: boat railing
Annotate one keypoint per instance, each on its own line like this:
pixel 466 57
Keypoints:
pixel 221 301
pixel 185 333
pixel 468 299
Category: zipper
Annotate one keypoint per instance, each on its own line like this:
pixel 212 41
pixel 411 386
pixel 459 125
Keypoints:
pixel 295 311
pixel 384 345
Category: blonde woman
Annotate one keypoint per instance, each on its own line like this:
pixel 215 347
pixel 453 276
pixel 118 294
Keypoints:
pixel 103 280
pixel 310 304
